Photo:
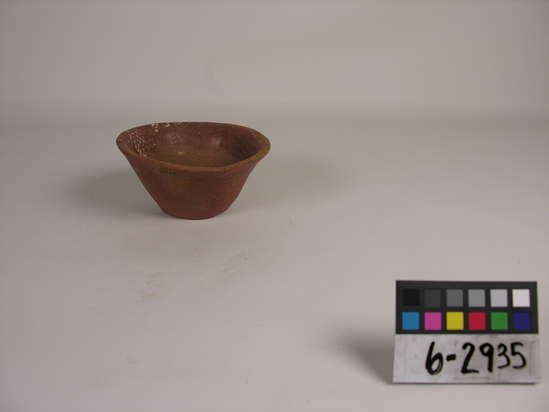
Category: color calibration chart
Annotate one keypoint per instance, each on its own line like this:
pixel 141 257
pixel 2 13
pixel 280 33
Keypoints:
pixel 466 332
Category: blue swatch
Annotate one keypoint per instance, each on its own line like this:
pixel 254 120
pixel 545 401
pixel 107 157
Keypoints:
pixel 410 320
pixel 521 321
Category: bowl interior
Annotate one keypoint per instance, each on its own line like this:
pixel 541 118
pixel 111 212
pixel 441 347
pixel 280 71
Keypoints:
pixel 194 144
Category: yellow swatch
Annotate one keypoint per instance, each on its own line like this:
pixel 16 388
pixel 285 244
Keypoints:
pixel 454 320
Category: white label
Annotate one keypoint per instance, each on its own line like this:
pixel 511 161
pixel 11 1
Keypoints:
pixel 481 358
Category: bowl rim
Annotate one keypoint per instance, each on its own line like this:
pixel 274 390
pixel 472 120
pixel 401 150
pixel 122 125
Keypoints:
pixel 265 146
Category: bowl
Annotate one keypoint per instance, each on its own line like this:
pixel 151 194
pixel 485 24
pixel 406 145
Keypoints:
pixel 193 170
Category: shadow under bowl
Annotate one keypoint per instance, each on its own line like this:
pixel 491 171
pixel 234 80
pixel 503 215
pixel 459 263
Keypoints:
pixel 193 170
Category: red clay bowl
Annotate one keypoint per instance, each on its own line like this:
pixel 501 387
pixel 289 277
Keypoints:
pixel 193 170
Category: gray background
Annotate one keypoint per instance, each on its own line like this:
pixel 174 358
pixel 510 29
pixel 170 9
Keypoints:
pixel 410 140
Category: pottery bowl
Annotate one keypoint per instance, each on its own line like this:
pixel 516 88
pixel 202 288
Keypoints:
pixel 193 170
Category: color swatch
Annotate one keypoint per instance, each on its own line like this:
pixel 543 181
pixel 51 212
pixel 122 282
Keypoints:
pixel 466 332
pixel 466 307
